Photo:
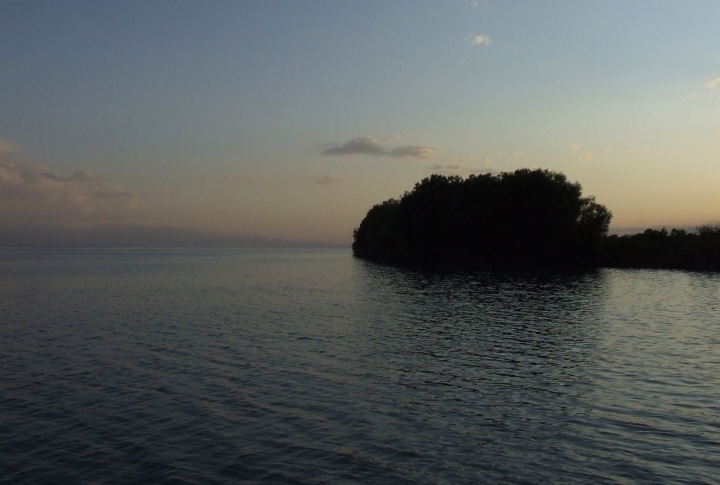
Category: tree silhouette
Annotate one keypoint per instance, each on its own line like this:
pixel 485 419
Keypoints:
pixel 528 216
pixel 654 248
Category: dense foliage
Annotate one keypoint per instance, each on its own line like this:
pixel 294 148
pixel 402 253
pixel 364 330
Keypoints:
pixel 663 249
pixel 528 216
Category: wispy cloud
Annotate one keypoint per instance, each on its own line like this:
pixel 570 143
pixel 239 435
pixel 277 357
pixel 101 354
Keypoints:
pixel 712 84
pixel 582 157
pixel 416 151
pixel 330 179
pixel 34 194
pixel 368 145
pixel 481 40
pixel 449 167
pixel 585 157
pixel 460 166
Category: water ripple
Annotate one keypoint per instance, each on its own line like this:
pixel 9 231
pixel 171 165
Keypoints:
pixel 313 367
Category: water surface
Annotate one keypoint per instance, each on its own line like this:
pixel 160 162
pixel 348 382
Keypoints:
pixel 310 366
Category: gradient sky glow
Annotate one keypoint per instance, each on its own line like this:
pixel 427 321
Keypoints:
pixel 291 119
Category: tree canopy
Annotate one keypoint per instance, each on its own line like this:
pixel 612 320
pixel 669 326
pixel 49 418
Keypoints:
pixel 525 216
pixel 653 248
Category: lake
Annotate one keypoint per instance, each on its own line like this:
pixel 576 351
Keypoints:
pixel 311 366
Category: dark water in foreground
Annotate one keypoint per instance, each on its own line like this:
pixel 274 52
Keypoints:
pixel 313 367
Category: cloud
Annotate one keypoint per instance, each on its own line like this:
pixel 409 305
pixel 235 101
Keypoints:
pixel 34 194
pixel 85 175
pixel 585 157
pixel 330 179
pixel 481 40
pixel 416 151
pixel 368 145
pixel 365 145
pixel 449 167
pixel 582 157
pixel 712 84
pixel 459 166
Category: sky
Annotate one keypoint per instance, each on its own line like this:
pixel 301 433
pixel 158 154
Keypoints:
pixel 290 120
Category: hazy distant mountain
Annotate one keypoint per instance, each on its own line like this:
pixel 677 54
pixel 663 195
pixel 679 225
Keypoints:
pixel 136 236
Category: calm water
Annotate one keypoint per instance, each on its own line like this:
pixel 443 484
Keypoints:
pixel 313 367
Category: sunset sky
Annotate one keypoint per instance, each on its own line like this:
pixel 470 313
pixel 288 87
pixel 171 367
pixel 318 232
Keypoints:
pixel 291 119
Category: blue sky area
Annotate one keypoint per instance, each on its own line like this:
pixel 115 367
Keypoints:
pixel 291 119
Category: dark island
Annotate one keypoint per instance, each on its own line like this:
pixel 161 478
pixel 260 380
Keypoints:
pixel 526 218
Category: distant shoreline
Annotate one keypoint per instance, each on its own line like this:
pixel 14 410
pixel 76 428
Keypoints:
pixel 137 236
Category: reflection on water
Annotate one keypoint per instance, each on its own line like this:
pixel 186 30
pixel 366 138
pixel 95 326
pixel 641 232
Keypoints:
pixel 314 367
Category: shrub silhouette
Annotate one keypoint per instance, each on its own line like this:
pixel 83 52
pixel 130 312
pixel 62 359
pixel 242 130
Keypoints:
pixel 528 216
pixel 653 248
